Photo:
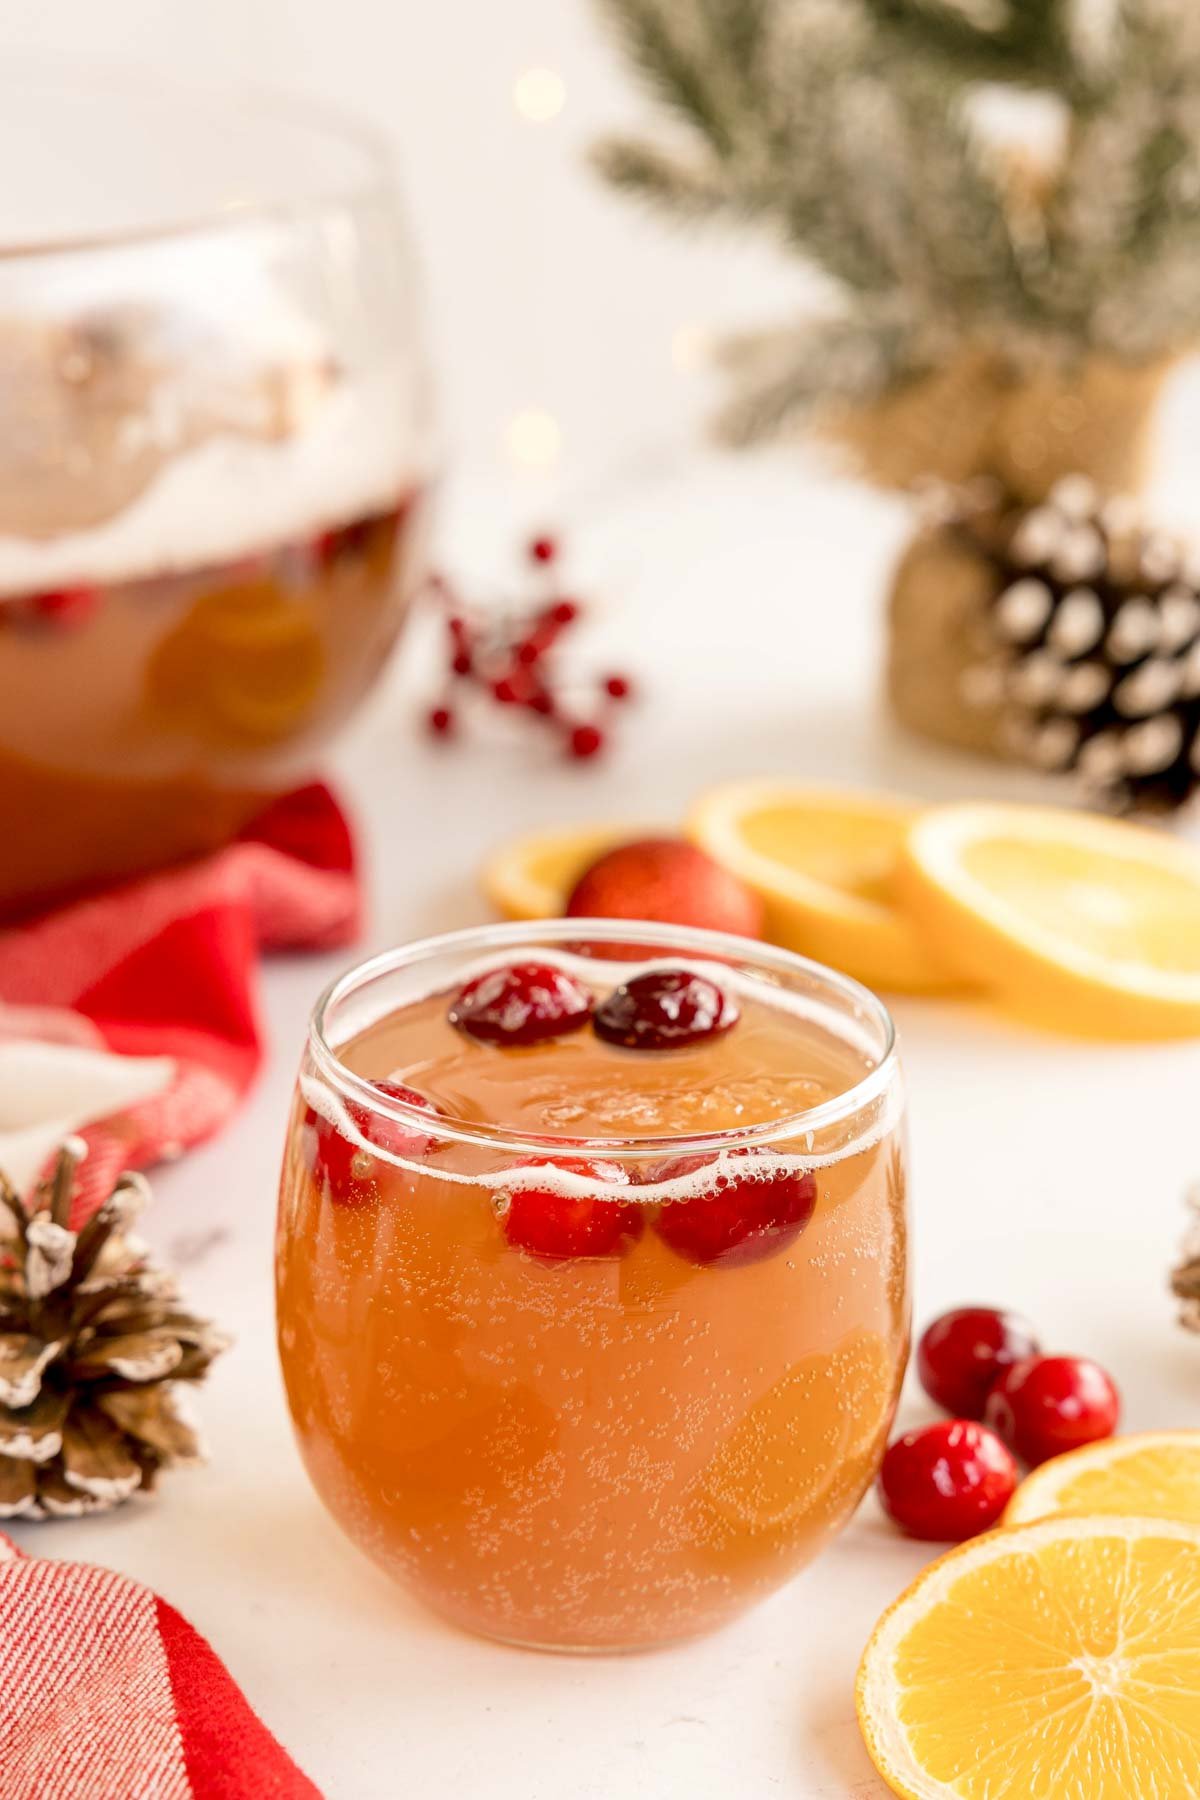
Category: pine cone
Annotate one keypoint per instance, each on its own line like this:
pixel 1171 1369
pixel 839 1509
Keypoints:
pixel 1091 646
pixel 92 1343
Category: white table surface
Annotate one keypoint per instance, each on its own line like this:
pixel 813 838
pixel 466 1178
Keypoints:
pixel 1048 1175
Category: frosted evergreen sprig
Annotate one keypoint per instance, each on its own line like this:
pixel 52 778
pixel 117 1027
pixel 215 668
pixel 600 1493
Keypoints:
pixel 850 130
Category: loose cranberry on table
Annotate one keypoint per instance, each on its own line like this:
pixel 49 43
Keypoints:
pixel 669 880
pixel 963 1353
pixel 665 1009
pixel 947 1481
pixel 558 1225
pixel 347 1168
pixel 738 1219
pixel 521 1004
pixel 1046 1405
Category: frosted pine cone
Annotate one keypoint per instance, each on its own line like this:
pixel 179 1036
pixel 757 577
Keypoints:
pixel 1092 646
pixel 93 1342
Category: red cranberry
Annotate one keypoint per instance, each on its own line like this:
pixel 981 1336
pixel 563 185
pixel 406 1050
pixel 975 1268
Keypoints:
pixel 348 1170
pixel 543 549
pixel 1048 1404
pixel 401 1138
pixel 521 1004
pixel 345 541
pixel 736 1221
pixel 549 1223
pixel 963 1352
pixel 665 1009
pixel 67 608
pixel 441 721
pixel 947 1481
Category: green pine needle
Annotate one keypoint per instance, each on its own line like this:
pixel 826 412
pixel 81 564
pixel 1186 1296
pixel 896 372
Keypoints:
pixel 683 187
pixel 848 129
pixel 657 45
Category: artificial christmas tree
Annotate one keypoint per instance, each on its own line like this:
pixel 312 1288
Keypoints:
pixel 992 309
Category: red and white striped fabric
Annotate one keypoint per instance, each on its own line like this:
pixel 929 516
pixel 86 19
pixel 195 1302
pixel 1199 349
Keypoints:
pixel 107 1693
pixel 166 968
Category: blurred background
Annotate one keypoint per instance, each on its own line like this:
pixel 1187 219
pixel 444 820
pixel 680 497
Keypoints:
pixel 546 292
pixel 960 243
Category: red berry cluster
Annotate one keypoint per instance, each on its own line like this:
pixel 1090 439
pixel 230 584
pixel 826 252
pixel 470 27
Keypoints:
pixel 510 661
pixel 948 1481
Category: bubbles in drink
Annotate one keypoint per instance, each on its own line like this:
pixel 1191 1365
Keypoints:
pixel 613 1392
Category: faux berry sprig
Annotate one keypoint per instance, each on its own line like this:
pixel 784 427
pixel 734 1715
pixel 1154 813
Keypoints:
pixel 509 658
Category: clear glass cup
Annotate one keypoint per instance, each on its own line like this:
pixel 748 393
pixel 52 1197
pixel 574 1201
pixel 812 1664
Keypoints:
pixel 213 471
pixel 604 1450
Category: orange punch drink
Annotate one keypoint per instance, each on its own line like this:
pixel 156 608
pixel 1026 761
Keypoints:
pixel 592 1272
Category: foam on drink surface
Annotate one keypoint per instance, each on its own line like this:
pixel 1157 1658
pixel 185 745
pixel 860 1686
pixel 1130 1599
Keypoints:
pixel 356 453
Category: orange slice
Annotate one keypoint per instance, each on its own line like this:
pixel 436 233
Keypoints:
pixel 807 1448
pixel 1083 923
pixel 531 877
pixel 1056 1661
pixel 1152 1473
pixel 823 860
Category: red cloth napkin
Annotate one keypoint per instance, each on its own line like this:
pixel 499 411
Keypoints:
pixel 106 1693
pixel 167 966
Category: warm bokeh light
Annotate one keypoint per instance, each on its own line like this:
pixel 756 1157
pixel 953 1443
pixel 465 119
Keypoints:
pixel 539 95
pixel 691 347
pixel 534 438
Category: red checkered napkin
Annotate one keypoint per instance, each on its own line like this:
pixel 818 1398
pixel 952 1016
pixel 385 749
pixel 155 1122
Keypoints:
pixel 131 1017
pixel 106 1693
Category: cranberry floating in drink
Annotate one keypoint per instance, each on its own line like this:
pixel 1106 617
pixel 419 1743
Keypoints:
pixel 666 1009
pixel 520 1004
pixel 748 1207
pixel 212 471
pixel 609 1345
pixel 552 1218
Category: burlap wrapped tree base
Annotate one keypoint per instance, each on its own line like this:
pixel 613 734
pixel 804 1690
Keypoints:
pixel 976 418
pixel 1026 429
pixel 937 610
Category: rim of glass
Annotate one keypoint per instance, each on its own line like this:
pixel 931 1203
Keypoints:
pixel 375 178
pixel 479 940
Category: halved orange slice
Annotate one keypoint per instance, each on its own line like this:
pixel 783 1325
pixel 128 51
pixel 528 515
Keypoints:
pixel 1056 1661
pixel 824 861
pixel 1155 1474
pixel 1083 923
pixel 531 877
